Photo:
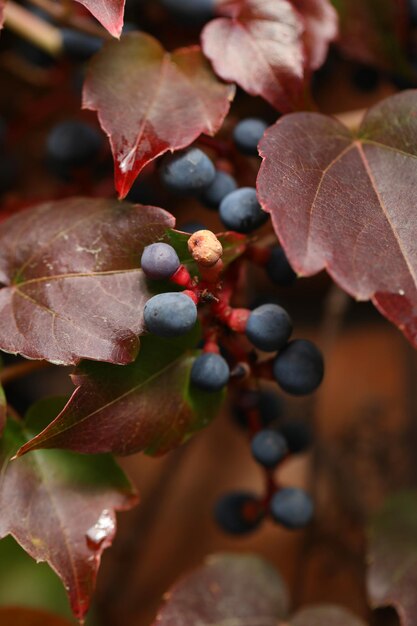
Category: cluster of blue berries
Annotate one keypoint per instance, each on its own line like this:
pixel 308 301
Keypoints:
pixel 192 173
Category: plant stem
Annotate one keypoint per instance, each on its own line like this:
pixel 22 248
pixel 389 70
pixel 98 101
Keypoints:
pixel 33 28
pixel 21 369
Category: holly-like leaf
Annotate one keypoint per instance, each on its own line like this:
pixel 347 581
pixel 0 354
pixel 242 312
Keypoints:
pixel 228 588
pixel 266 46
pixel 328 614
pixel 59 506
pixel 375 32
pixel 108 12
pixel 259 45
pixel 20 616
pixel 163 101
pixel 71 283
pixel 321 27
pixel 392 556
pixel 345 202
pixel 148 405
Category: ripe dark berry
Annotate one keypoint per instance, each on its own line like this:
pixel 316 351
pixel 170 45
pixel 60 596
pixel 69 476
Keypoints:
pixel 412 9
pixel 240 211
pixel 79 46
pixel 222 185
pixel 299 367
pixel 73 144
pixel 191 227
pixel 192 11
pixel 268 405
pixel 210 372
pixel 248 133
pixel 278 268
pixel 238 513
pixel 170 314
pixel 292 507
pixel 269 327
pixel 269 448
pixel 159 261
pixel 189 172
pixel 297 433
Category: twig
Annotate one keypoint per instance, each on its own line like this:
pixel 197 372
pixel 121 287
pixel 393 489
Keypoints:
pixel 33 28
pixel 21 369
pixel 65 14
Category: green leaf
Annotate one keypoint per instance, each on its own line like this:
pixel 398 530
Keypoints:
pixel 392 556
pixel 60 506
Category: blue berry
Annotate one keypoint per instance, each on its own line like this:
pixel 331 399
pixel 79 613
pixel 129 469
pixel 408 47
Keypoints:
pixel 192 11
pixel 222 185
pixel 188 173
pixel 159 261
pixel 269 327
pixel 73 144
pixel 191 227
pixel 278 268
pixel 248 133
pixel 299 367
pixel 292 507
pixel 267 403
pixel 240 211
pixel 269 448
pixel 297 433
pixel 238 512
pixel 170 314
pixel 79 46
pixel 210 372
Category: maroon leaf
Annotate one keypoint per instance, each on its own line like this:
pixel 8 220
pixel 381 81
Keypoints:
pixel 2 3
pixel 20 616
pixel 242 589
pixel 148 405
pixel 375 32
pixel 3 409
pixel 327 614
pixel 346 202
pixel 108 12
pixel 72 284
pixel 259 45
pixel 392 554
pixel 321 24
pixel 163 101
pixel 59 506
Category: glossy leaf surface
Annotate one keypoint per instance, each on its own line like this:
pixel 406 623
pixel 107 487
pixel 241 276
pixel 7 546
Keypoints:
pixel 392 554
pixel 59 506
pixel 163 101
pixel 147 405
pixel 235 589
pixel 72 284
pixel 346 202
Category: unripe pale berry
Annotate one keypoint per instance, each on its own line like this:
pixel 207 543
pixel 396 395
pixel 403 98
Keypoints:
pixel 205 248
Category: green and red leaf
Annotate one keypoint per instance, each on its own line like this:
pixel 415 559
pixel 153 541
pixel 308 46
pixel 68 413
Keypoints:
pixel 59 506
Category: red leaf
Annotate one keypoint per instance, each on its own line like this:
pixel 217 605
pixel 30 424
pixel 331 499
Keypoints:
pixel 108 12
pixel 20 616
pixel 2 3
pixel 73 287
pixel 392 551
pixel 321 23
pixel 163 101
pixel 60 506
pixel 259 45
pixel 242 589
pixel 375 32
pixel 346 202
pixel 148 405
